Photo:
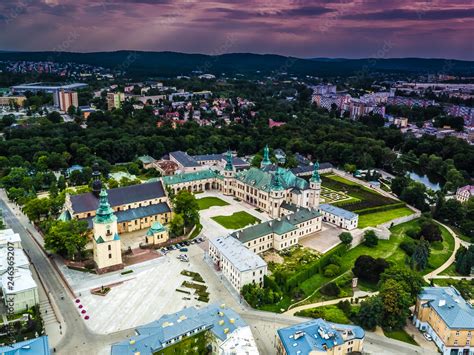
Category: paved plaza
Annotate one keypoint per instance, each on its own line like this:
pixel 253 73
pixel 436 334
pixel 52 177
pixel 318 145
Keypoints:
pixel 210 228
pixel 324 240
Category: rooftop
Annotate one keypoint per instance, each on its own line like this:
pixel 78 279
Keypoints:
pixel 120 196
pixel 21 260
pixel 23 281
pixel 337 211
pixel 36 346
pixel 265 179
pixel 7 235
pixel 184 159
pixel 241 258
pixel 219 320
pixel 305 169
pixel 318 335
pixel 278 226
pixel 188 177
pixel 450 306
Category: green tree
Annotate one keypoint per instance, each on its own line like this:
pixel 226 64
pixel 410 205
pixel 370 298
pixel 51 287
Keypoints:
pixel 370 313
pixel 421 254
pixel 177 225
pixel 346 238
pixel 411 280
pixel 67 239
pixel 465 260
pixel 186 205
pixel 396 302
pixel 37 208
pixel 370 239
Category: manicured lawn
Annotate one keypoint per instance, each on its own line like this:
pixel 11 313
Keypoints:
pixel 438 255
pixel 400 335
pixel 374 219
pixel 341 179
pixel 237 220
pixel 330 313
pixel 207 202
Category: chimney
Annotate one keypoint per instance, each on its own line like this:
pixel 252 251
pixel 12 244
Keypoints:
pixel 442 303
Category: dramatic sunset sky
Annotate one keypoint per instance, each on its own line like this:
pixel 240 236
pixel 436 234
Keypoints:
pixel 303 28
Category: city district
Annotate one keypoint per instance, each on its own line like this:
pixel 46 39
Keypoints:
pixel 185 260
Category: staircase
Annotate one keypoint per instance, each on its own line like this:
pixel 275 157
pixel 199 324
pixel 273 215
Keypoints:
pixel 47 313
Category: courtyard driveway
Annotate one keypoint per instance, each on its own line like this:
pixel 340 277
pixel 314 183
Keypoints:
pixel 324 240
pixel 210 228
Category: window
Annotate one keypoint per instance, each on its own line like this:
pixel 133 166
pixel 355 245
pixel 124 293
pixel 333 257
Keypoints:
pixel 110 247
pixel 457 333
pixel 110 256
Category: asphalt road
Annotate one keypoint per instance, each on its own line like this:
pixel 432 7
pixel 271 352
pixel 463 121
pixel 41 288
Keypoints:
pixel 78 339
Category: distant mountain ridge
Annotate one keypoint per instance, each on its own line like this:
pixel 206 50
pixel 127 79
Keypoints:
pixel 173 63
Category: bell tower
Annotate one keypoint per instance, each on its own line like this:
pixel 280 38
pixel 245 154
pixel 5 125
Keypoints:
pixel 229 173
pixel 266 157
pixel 106 241
pixel 277 195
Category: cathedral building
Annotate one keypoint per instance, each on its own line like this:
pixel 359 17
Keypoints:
pixel 136 207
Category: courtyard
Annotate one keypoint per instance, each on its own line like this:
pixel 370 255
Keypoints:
pixel 324 240
pixel 219 220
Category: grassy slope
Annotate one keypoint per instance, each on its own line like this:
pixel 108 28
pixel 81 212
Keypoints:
pixel 400 335
pixel 374 219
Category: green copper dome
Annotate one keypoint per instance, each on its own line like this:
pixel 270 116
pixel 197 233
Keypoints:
pixel 276 183
pixel 105 213
pixel 156 227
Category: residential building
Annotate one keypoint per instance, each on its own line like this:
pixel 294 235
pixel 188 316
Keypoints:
pixel 186 164
pixel 318 336
pixel 12 100
pixel 37 346
pixel 136 207
pixel 22 293
pixel 67 99
pixel 21 260
pixel 324 89
pixel 339 216
pixel 114 100
pixel 463 194
pixel 107 248
pixel 282 232
pixel 239 265
pixel 48 88
pixel 447 317
pixel 222 327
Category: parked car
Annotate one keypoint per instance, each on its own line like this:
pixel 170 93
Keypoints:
pixel 428 337
pixel 183 250
pixel 186 243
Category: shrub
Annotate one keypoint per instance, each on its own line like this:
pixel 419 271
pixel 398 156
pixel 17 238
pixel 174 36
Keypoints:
pixel 408 246
pixel 370 239
pixel 331 270
pixel 330 289
pixel 346 238
pixel 369 269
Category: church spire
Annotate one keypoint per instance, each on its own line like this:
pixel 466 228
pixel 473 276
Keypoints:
pixel 228 164
pixel 266 156
pixel 315 177
pixel 105 213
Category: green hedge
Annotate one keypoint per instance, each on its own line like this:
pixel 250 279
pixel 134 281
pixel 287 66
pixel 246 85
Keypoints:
pixel 380 208
pixel 313 268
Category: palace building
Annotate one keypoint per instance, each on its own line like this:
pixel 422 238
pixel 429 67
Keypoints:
pixel 136 207
pixel 266 188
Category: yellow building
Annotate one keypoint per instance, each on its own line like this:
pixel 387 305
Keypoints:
pixel 447 318
pixel 136 207
pixel 107 248
pixel 157 234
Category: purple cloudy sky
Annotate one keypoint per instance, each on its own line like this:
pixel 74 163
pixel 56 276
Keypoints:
pixel 320 28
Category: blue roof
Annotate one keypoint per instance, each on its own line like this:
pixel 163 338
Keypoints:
pixel 139 212
pixel 337 211
pixel 450 306
pixel 153 336
pixel 317 334
pixel 184 159
pixel 37 346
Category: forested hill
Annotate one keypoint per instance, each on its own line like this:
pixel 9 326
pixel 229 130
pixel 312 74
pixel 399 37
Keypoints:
pixel 172 63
